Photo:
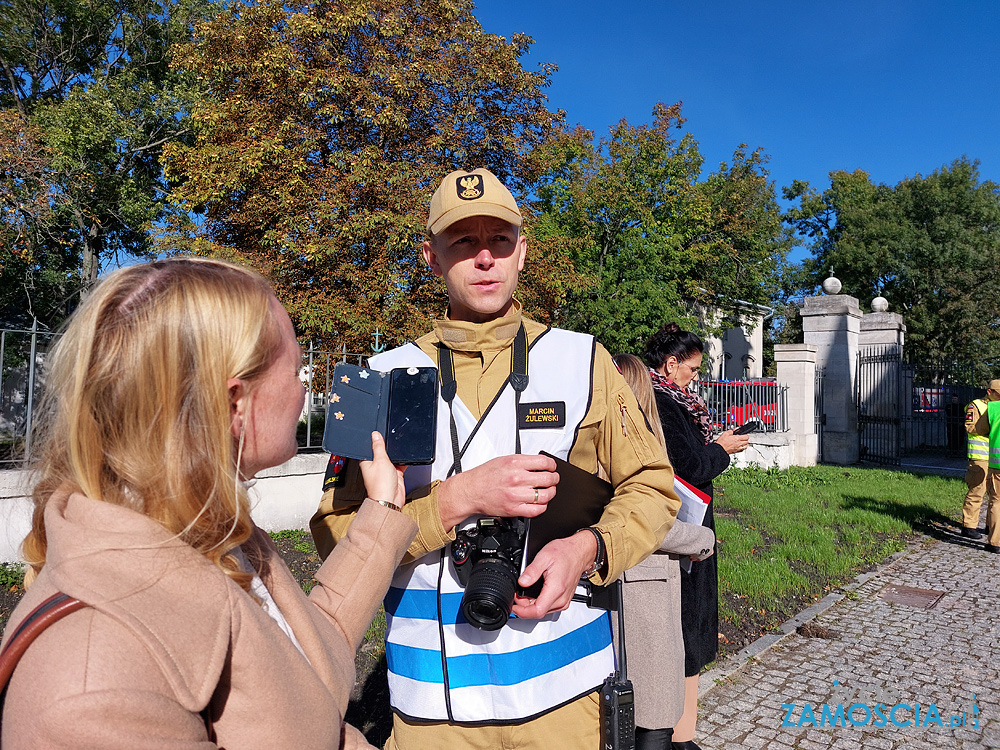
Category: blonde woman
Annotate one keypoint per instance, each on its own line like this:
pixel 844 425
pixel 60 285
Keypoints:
pixel 173 383
pixel 652 594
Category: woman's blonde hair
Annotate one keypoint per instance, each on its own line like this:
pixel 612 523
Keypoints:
pixel 136 410
pixel 636 374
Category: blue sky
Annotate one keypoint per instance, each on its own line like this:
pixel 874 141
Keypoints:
pixel 892 87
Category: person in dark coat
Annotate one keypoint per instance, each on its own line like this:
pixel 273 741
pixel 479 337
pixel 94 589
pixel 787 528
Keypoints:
pixel 674 357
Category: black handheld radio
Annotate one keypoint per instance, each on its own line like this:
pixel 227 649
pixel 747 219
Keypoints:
pixel 617 697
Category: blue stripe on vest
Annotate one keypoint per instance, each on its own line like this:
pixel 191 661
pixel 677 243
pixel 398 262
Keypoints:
pixel 420 664
pixel 421 604
pixel 473 670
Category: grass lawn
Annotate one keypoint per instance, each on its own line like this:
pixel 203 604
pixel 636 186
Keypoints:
pixel 786 538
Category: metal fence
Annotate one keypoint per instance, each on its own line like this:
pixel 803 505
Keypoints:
pixel 819 410
pixel 913 407
pixel 881 399
pixel 735 402
pixel 22 377
pixel 23 354
pixel 22 357
pixel 317 373
pixel 934 417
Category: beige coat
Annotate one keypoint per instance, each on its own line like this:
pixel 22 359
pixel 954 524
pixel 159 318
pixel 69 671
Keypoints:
pixel 168 635
pixel 653 640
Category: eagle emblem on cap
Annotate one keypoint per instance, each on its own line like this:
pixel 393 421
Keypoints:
pixel 469 187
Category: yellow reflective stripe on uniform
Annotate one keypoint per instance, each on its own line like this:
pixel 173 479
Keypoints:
pixel 979 448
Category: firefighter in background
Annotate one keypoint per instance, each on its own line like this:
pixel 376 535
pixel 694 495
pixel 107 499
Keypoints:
pixel 987 424
pixel 978 452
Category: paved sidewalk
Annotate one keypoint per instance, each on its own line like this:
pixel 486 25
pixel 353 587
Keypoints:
pixel 874 649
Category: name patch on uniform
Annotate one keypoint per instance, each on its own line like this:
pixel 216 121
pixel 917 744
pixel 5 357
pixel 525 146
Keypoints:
pixel 541 415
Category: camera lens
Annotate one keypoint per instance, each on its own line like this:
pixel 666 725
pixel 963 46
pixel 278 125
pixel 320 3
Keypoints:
pixel 489 594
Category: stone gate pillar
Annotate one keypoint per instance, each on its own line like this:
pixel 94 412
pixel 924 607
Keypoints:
pixel 797 370
pixel 882 330
pixel 832 324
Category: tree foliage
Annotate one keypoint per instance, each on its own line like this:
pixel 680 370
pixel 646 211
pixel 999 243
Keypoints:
pixel 89 85
pixel 327 127
pixel 929 245
pixel 651 237
pixel 31 282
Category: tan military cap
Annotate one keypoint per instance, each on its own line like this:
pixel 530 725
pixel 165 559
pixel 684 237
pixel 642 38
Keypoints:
pixel 477 193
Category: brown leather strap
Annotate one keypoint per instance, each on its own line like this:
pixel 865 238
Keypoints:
pixel 51 610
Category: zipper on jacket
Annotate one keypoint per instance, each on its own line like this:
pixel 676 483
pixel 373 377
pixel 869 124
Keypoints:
pixel 624 410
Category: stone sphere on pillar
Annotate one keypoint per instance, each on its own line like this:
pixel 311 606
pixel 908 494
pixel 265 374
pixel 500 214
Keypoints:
pixel 880 304
pixel 832 285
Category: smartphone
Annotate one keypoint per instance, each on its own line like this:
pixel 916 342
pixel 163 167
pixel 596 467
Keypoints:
pixel 400 404
pixel 747 427
pixel 411 416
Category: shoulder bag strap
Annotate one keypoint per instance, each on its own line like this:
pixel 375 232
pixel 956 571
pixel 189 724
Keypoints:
pixel 51 610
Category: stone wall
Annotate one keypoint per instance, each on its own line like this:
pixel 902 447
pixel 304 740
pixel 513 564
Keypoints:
pixel 284 497
pixel 767 449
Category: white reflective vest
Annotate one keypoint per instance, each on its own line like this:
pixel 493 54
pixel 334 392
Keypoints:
pixel 440 667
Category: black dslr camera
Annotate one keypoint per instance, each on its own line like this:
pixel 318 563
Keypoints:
pixel 487 560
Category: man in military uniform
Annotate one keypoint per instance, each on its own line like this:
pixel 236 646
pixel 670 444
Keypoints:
pixel 534 682
pixel 977 427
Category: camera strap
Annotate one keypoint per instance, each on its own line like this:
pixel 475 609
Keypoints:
pixel 518 380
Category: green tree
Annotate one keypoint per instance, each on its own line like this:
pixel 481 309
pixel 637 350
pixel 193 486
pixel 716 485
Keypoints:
pixel 32 283
pixel 739 248
pixel 652 239
pixel 929 245
pixel 90 83
pixel 327 127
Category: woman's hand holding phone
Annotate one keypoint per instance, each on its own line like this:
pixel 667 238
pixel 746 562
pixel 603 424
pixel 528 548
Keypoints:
pixel 383 481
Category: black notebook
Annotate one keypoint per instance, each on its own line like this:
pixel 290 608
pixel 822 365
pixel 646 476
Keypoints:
pixel 579 502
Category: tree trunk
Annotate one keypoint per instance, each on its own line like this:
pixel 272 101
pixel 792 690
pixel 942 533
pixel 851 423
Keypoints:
pixel 91 261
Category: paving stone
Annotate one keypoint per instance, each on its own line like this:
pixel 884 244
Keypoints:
pixel 812 744
pixel 877 743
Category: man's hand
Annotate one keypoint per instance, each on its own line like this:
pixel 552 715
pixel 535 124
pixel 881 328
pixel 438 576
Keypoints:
pixel 519 485
pixel 562 562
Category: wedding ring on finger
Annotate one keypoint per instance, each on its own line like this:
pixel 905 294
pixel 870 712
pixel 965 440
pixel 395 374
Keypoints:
pixel 535 501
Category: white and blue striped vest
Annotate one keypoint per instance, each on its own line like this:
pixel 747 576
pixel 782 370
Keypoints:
pixel 440 667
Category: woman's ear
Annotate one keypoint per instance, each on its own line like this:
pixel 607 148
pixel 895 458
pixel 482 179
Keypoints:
pixel 237 404
pixel 670 365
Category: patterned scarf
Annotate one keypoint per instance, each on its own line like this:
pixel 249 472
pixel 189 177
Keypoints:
pixel 690 401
